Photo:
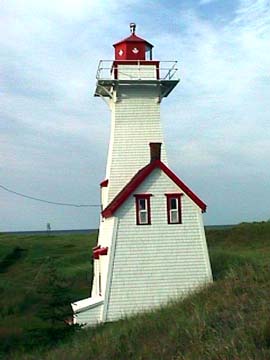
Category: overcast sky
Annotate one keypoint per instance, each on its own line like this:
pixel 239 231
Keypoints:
pixel 54 134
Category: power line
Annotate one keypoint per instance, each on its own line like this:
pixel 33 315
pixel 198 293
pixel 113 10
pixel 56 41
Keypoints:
pixel 46 201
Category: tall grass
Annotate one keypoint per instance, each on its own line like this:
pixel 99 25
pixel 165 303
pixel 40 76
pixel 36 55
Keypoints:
pixel 11 258
pixel 227 320
pixel 23 263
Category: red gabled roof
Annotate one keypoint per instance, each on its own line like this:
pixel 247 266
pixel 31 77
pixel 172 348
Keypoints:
pixel 133 38
pixel 139 178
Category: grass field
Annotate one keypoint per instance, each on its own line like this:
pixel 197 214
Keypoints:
pixel 23 262
pixel 228 320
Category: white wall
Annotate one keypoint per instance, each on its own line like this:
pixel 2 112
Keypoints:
pixel 154 263
pixel 135 72
pixel 135 123
pixel 91 316
pixel 101 265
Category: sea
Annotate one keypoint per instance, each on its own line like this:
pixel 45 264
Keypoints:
pixel 90 231
pixel 59 232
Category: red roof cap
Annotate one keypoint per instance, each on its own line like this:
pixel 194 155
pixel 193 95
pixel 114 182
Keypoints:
pixel 133 38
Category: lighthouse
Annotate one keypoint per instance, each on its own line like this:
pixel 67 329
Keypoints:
pixel 151 245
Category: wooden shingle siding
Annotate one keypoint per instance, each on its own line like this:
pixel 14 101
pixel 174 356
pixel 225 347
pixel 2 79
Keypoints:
pixel 155 263
pixel 135 123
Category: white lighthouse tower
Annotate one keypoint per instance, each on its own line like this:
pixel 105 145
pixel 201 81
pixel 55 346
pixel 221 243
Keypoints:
pixel 151 246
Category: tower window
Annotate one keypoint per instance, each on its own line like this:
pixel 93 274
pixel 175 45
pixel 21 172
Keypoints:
pixel 143 209
pixel 174 208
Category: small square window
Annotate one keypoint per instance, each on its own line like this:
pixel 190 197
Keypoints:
pixel 174 208
pixel 143 212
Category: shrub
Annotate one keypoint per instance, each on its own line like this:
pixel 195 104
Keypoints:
pixel 11 258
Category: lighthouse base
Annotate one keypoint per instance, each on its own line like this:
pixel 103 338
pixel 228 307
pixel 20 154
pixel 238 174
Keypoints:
pixel 87 312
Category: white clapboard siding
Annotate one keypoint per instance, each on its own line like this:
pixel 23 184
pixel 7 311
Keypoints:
pixel 158 262
pixel 135 123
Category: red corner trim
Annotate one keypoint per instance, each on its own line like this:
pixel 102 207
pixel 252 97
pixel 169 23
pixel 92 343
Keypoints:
pixel 103 251
pixel 104 183
pixel 139 178
pixel 98 251
pixel 95 252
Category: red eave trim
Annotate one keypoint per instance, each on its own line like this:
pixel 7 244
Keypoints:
pixel 183 186
pixel 135 62
pixel 127 190
pixel 104 183
pixel 139 178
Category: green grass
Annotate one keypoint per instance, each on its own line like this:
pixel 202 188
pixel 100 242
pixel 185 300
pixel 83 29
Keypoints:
pixel 23 260
pixel 227 320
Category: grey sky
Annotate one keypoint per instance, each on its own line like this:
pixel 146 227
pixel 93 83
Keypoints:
pixel 54 134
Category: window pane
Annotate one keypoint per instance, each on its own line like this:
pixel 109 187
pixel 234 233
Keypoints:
pixel 173 203
pixel 143 209
pixel 143 217
pixel 174 216
pixel 142 204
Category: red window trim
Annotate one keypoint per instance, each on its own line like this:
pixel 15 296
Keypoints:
pixel 147 197
pixel 178 197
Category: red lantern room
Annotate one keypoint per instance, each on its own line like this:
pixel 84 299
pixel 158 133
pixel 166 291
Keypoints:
pixel 133 66
pixel 133 47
